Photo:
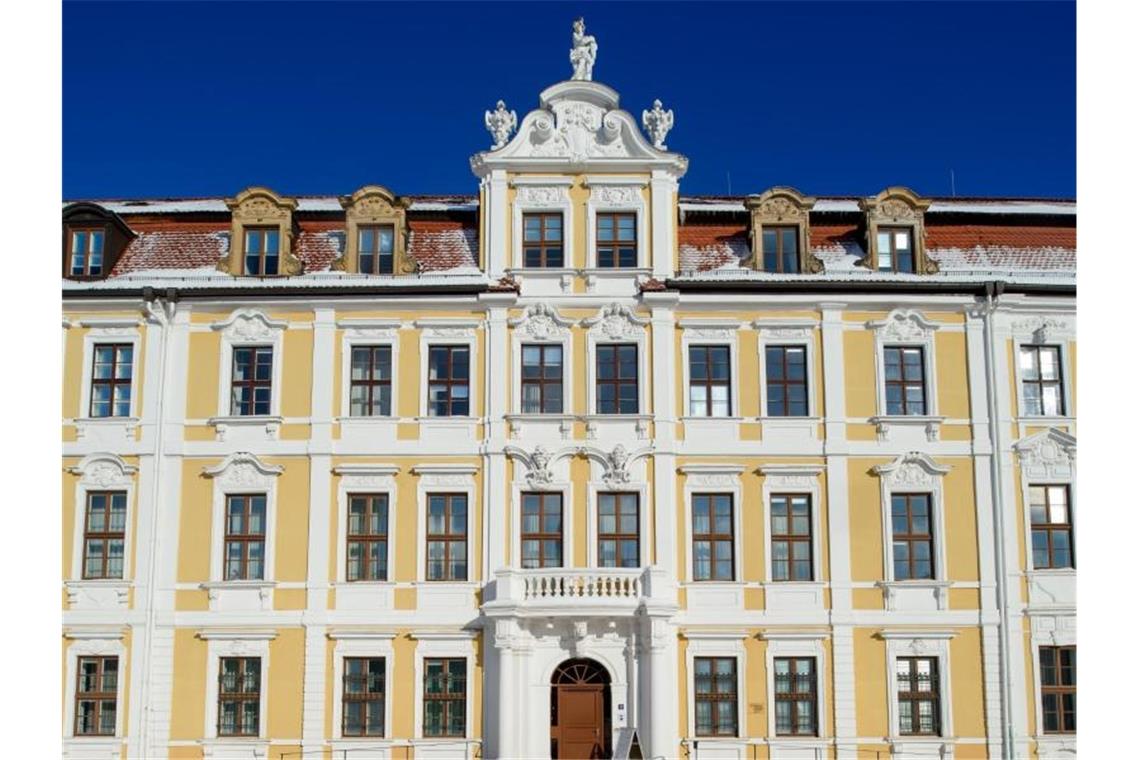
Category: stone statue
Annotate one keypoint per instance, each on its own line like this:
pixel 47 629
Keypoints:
pixel 584 52
pixel 500 123
pixel 657 123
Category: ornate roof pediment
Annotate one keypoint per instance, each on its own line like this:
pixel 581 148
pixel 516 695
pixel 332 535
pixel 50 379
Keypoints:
pixel 1050 453
pixel 911 470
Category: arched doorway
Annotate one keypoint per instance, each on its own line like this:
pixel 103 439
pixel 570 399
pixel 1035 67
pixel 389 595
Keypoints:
pixel 580 711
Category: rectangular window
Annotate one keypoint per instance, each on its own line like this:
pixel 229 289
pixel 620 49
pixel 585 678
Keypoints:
pixel 245 537
pixel 252 381
pixel 913 536
pixel 785 371
pixel 86 252
pixel 111 368
pixel 916 683
pixel 370 388
pixel 781 249
pixel 449 373
pixel 375 246
pixel 262 250
pixel 104 534
pixel 1052 526
pixel 791 537
pixel 96 696
pixel 447 537
pixel 617 379
pixel 367 549
pixel 905 380
pixel 363 699
pixel 895 246
pixel 542 240
pixel 715 690
pixel 617 240
pixel 1041 381
pixel 445 697
pixel 541 379
pixel 239 696
pixel 1058 689
pixel 619 540
pixel 795 696
pixel 541 530
pixel 709 383
pixel 713 537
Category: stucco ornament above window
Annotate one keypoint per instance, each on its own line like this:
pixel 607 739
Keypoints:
pixel 584 52
pixel 657 124
pixel 500 123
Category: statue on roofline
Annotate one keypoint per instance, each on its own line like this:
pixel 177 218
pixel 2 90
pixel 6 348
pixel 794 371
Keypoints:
pixel 584 52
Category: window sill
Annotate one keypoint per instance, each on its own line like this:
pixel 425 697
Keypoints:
pixel 428 420
pixel 710 418
pixel 558 424
pixel 915 595
pixel 931 425
pixel 376 419
pixel 1045 420
pixel 229 746
pixel 104 427
pixel 93 747
pixel 102 593
pixel 639 423
pixel 239 595
pixel 248 427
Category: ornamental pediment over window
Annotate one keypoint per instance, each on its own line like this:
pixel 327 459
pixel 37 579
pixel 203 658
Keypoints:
pixel 376 233
pixel 261 225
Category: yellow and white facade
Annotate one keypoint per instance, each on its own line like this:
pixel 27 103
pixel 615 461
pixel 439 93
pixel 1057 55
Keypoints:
pixel 974 454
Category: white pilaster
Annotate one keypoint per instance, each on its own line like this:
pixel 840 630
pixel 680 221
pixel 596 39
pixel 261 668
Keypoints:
pixel 662 189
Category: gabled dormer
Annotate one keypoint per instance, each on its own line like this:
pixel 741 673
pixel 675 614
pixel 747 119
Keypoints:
pixel 261 235
pixel 896 232
pixel 376 233
pixel 781 232
pixel 93 240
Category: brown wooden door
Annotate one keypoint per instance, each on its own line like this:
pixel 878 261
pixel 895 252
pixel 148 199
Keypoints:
pixel 581 722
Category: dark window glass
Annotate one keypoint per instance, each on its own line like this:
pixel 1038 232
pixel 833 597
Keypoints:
pixel 618 530
pixel 244 557
pixel 895 246
pixel 1052 526
pixel 617 379
pixel 785 370
pixel 781 249
pixel 1058 689
pixel 795 696
pixel 905 380
pixel 713 537
pixel 262 250
pixel 916 683
pixel 541 379
pixel 449 389
pixel 363 700
pixel 617 240
pixel 239 696
pixel 710 387
pixel 367 550
pixel 1041 381
pixel 370 386
pixel 791 537
pixel 541 530
pixel 447 537
pixel 445 697
pixel 96 696
pixel 111 368
pixel 542 240
pixel 85 258
pixel 104 534
pixel 913 536
pixel 375 246
pixel 252 381
pixel 715 690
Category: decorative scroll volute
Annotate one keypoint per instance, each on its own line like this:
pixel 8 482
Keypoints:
pixel 783 207
pixel 260 207
pixel 373 204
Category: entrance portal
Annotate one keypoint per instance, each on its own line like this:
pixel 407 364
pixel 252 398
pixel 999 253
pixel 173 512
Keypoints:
pixel 580 711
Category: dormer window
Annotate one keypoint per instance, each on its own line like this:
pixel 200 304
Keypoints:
pixel 781 249
pixel 781 232
pixel 896 232
pixel 376 233
pixel 93 240
pixel 262 250
pixel 895 249
pixel 261 235
pixel 86 254
pixel 376 244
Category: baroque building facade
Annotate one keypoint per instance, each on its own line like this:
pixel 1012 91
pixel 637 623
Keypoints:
pixel 574 467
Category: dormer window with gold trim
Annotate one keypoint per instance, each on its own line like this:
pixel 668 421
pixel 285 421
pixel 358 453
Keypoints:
pixel 781 232
pixel 93 239
pixel 896 232
pixel 261 235
pixel 376 233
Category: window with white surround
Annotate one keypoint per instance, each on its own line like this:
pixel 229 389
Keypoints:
pixel 370 378
pixel 789 409
pixel 617 367
pixel 444 677
pixel 618 530
pixel 362 707
pixel 904 366
pixel 249 386
pixel 366 528
pixel 535 198
pixel 918 671
pixel 449 374
pixel 713 495
pixel 793 505
pixel 237 690
pixel 104 495
pixel 796 664
pixel 616 224
pixel 95 679
pixel 1054 640
pixel 542 354
pixel 1042 362
pixel 1049 499
pixel 710 372
pixel 108 393
pixel 717 692
pixel 445 564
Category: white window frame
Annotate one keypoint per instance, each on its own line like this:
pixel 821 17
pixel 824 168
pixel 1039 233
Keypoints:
pixel 796 479
pixel 914 473
pixel 616 195
pixel 244 328
pixel 541 324
pixel 565 489
pixel 711 332
pixel 1043 338
pixel 102 472
pixel 1057 630
pixel 361 479
pixel 433 644
pixel 541 195
pixel 1047 458
pixel 906 328
pixel 235 643
pixel 594 490
pixel 449 332
pixel 444 478
pixel 94 643
pixel 801 645
pixel 110 330
pixel 370 333
pixel 787 333
pixel 350 643
pixel 714 479
pixel 910 643
pixel 616 324
pixel 717 644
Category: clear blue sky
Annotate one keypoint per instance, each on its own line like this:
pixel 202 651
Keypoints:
pixel 172 99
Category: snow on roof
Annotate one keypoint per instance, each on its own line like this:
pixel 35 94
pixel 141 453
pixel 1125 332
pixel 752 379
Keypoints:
pixel 744 274
pixel 323 203
pixel 941 206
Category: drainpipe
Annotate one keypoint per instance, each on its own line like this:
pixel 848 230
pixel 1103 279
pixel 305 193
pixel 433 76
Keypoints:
pixel 993 294
pixel 160 311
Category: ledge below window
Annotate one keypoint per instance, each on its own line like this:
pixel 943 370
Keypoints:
pixel 105 429
pixel 1056 746
pixel 370 428
pixel 714 596
pixel 909 428
pixel 240 595
pixel 917 747
pixel 92 748
pixel 225 748
pixel 709 431
pixel 923 595
pixel 98 594
pixel 629 425
pixel 363 747
pixel 364 595
pixel 1052 588
pixel 547 426
pixel 789 429
pixel 253 427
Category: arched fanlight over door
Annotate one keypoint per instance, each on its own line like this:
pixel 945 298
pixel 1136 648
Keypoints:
pixel 580 672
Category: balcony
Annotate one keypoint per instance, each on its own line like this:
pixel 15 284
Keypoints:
pixel 578 591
